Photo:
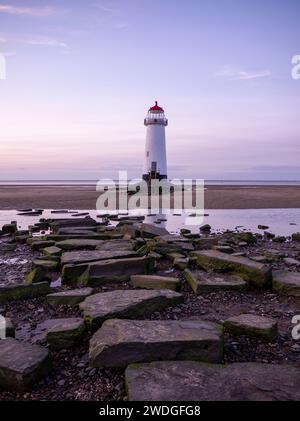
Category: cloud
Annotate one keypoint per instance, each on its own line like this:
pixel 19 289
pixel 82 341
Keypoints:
pixel 2 40
pixel 234 74
pixel 111 16
pixel 108 10
pixel 47 42
pixel 28 11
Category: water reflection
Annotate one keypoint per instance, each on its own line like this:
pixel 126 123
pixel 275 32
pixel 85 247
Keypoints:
pixel 279 221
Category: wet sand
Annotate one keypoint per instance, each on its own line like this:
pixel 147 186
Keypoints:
pixel 84 197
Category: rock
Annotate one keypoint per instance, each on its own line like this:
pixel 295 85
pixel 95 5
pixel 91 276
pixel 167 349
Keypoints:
pixel 166 249
pixel 33 213
pixel 126 304
pixel 23 291
pixel 91 232
pixel 173 256
pixel 286 283
pixel 254 273
pixel 8 247
pixel 247 237
pixel 45 264
pixel 43 270
pixel 154 282
pixel 10 328
pixel 268 235
pixel 205 228
pixel 37 275
pixel 81 223
pixel 52 251
pixel 117 245
pixel 257 327
pixel 279 239
pixel 296 236
pixel 22 238
pixel 263 227
pixel 70 297
pixel 291 262
pixel 21 364
pixel 122 342
pixel 260 259
pixel 224 249
pixel 9 229
pixel 94 236
pixel 78 257
pixel 149 230
pixel 78 244
pixel 114 270
pixel 65 333
pixel 194 381
pixel 203 282
pixel 38 245
pixel 205 243
pixel 185 231
pixel 180 263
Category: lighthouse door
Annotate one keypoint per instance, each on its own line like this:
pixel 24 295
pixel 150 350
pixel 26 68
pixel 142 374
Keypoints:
pixel 153 169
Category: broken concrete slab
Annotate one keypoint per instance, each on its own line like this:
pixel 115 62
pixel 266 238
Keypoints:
pixel 83 256
pixel 114 270
pixel 21 364
pixel 23 291
pixel 286 283
pixel 121 342
pixel 52 251
pixel 254 326
pixel 195 381
pixel 126 304
pixel 69 297
pixel 256 274
pixel 181 263
pixel 203 282
pixel 38 245
pixel 65 333
pixel 149 230
pixel 79 244
pixel 155 282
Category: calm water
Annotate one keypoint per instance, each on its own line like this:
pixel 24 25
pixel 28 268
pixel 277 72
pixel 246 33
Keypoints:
pixel 279 221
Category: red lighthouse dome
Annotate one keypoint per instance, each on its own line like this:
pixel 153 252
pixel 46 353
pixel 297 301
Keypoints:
pixel 156 108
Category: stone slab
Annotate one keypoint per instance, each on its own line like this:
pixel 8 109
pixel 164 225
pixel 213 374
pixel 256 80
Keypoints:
pixel 69 297
pixel 194 381
pixel 122 342
pixel 21 364
pixel 255 273
pixel 203 282
pixel 155 282
pixel 254 326
pixel 126 304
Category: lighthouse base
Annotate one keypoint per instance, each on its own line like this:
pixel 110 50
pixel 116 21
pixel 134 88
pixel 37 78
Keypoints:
pixel 153 176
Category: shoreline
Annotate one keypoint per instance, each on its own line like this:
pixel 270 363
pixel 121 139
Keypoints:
pixel 84 197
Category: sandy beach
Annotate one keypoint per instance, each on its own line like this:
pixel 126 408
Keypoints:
pixel 84 197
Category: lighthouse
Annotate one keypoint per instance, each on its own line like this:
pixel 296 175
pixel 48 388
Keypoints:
pixel 155 160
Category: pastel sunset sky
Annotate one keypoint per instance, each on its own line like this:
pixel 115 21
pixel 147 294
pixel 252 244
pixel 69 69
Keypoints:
pixel 80 76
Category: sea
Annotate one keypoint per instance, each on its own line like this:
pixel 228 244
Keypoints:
pixel 279 221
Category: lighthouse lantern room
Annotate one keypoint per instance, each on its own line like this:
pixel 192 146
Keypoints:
pixel 155 162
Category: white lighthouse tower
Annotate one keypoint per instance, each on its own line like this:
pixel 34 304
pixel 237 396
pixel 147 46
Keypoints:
pixel 155 162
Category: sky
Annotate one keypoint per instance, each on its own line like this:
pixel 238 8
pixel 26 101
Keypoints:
pixel 81 75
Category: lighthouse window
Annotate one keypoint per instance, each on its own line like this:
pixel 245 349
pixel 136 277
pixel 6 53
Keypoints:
pixel 148 153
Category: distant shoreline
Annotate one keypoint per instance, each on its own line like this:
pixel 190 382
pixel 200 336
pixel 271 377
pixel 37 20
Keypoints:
pixel 85 196
pixel 225 183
